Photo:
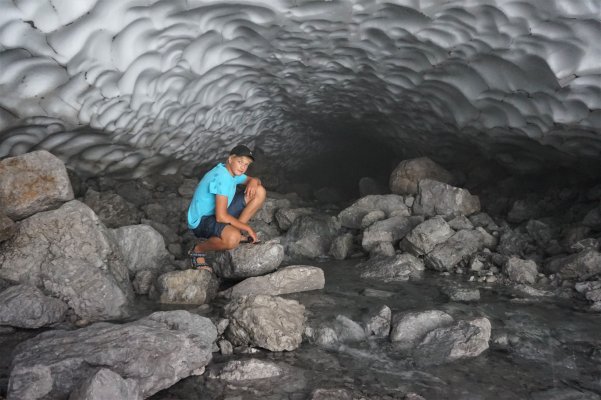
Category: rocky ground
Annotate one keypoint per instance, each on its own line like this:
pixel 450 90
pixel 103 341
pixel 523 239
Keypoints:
pixel 79 257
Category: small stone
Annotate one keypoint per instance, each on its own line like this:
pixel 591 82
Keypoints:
pixel 225 347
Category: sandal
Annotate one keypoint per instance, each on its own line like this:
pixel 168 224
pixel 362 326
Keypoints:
pixel 199 265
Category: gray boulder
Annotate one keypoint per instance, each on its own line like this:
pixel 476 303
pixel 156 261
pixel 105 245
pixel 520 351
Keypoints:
pixel 512 243
pixel 520 271
pixel 382 249
pixel 540 232
pixel 405 177
pixel 378 324
pixel 291 279
pixel 352 216
pixel 460 222
pixel 425 236
pixel 341 246
pixel 270 207
pixel 7 227
pixel 33 182
pixel 245 370
pixel 408 329
pixel 69 254
pixel 462 244
pixel 142 248
pixel 390 230
pixel 457 293
pixel 248 260
pixel 113 210
pixel 400 267
pixel 347 330
pixel 593 218
pixel 581 266
pixel 311 236
pixel 155 352
pixel 106 385
pixel 465 339
pixel 25 306
pixel 268 322
pixel 144 281
pixel 372 217
pixel 436 198
pixel 187 287
pixel 331 394
pixel 285 217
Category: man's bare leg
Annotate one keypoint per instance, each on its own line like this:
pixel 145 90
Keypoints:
pixel 230 239
pixel 253 205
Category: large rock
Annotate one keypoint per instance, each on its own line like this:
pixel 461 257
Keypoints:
pixel 113 210
pixel 405 177
pixel 106 385
pixel 436 198
pixel 285 217
pixel 264 321
pixel 311 236
pixel 581 266
pixel 187 287
pixel 378 323
pixel 520 271
pixel 25 306
pixel 155 352
pixel 390 204
pixel 408 329
pixel 142 248
pixel 248 260
pixel 245 370
pixel 400 267
pixel 341 246
pixel 390 230
pixel 465 339
pixel 424 237
pixel 462 244
pixel 31 183
pixel 292 279
pixel 347 330
pixel 7 227
pixel 69 254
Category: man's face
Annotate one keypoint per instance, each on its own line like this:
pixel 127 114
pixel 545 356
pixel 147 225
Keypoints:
pixel 239 165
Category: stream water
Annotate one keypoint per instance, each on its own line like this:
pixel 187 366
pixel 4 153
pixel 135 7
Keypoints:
pixel 547 348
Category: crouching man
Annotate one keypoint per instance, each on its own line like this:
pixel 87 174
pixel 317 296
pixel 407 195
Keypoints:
pixel 219 212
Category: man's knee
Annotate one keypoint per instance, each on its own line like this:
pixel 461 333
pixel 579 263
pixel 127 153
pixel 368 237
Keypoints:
pixel 261 193
pixel 231 239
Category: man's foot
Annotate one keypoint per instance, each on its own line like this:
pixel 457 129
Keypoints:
pixel 198 261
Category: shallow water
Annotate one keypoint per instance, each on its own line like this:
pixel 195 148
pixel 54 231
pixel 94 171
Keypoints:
pixel 553 343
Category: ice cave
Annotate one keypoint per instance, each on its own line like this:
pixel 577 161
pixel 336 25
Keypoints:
pixel 478 277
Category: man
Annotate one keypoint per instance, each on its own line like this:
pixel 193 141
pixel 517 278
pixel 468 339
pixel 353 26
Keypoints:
pixel 220 213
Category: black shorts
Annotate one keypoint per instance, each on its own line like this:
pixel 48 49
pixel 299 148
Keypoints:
pixel 209 226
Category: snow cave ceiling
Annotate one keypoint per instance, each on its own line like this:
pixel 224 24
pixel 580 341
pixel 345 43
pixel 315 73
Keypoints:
pixel 145 86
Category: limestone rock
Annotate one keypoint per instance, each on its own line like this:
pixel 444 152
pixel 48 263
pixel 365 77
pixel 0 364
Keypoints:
pixel 142 248
pixel 143 281
pixel 460 222
pixel 269 322
pixel 512 243
pixel 408 329
pixel 341 246
pixel 390 230
pixel 69 254
pixel 401 267
pixel 581 266
pixel 187 287
pixel 405 177
pixel 436 198
pixel 291 279
pixel 311 236
pixel 248 260
pixel 113 210
pixel 25 306
pixel 33 182
pixel 352 216
pixel 462 244
pixel 7 227
pixel 382 249
pixel 372 217
pixel 286 216
pixel 250 369
pixel 465 339
pixel 521 271
pixel 347 330
pixel 155 352
pixel 378 324
pixel 425 236
pixel 105 384
pixel 270 207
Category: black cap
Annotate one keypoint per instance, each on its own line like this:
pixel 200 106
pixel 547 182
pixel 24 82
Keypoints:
pixel 242 150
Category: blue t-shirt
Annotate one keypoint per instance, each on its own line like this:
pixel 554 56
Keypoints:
pixel 216 181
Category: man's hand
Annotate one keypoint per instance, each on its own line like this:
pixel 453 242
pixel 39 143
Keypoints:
pixel 252 234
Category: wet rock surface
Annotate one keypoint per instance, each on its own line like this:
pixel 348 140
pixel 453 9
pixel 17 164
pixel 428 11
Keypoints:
pixel 249 260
